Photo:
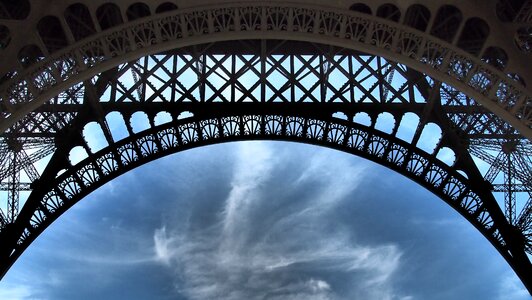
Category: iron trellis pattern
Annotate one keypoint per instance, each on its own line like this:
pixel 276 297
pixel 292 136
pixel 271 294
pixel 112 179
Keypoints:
pixel 80 179
pixel 321 77
pixel 445 62
pixel 319 82
pixel 307 72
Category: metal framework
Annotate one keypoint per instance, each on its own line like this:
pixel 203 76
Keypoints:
pixel 370 79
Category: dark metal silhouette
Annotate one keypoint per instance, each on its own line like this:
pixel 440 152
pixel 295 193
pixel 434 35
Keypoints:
pixel 281 72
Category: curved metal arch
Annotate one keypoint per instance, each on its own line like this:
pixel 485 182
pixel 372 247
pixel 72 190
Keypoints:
pixel 443 61
pixel 64 190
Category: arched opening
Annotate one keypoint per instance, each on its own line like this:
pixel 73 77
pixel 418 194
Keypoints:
pixel 29 55
pixel 430 137
pixel 417 16
pixel 389 11
pixel 137 10
pixel 523 39
pixel 496 57
pixel 139 122
pixel 5 37
pixel 474 35
pixel 361 7
pixel 340 115
pixel 52 33
pixel 117 125
pixel 446 155
pixel 517 78
pixel 6 77
pixel 385 122
pixel 408 126
pixel 79 21
pixel 165 7
pixel 185 115
pixel 363 119
pixel 446 23
pixel 14 9
pixel 507 10
pixel 77 154
pixel 93 134
pixel 162 118
pixel 109 15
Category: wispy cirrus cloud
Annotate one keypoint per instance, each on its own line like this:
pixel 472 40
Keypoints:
pixel 511 288
pixel 264 221
pixel 16 292
pixel 256 252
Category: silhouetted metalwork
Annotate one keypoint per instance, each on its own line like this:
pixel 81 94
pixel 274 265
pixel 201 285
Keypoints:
pixel 370 78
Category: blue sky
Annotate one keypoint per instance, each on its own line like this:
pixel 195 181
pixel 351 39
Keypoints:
pixel 261 220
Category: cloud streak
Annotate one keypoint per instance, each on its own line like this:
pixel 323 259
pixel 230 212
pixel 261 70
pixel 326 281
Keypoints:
pixel 300 254
pixel 15 292
pixel 261 221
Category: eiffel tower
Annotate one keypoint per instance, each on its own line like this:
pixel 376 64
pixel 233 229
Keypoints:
pixel 349 75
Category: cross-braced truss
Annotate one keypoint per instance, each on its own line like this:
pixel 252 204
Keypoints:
pixel 413 102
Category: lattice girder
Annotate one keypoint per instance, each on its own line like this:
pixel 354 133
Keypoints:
pixel 309 70
pixel 221 122
pixel 443 61
pixel 176 73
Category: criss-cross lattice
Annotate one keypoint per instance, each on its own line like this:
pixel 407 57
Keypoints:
pixel 403 89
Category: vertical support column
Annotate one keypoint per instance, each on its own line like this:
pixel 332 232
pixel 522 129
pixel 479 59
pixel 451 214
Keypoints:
pixel 232 78
pixel 13 195
pixel 199 63
pixel 263 71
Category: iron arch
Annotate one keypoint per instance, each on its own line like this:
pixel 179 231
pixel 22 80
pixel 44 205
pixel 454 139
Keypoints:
pixel 65 184
pixel 348 29
pixel 71 69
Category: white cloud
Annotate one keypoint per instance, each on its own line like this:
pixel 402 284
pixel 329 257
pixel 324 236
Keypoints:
pixel 15 292
pixel 162 252
pixel 251 171
pixel 258 246
pixel 250 255
pixel 338 177
pixel 511 288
